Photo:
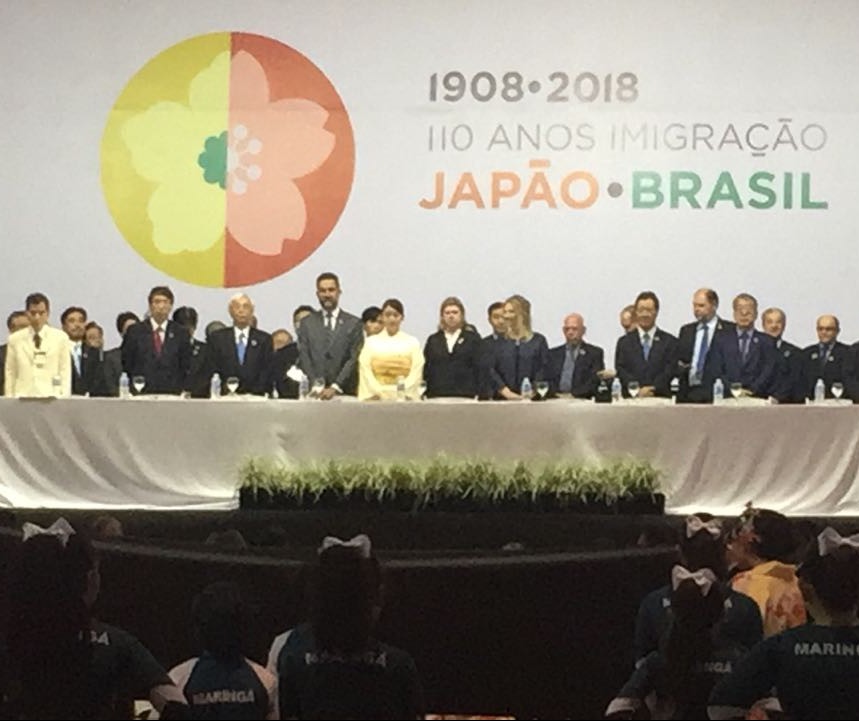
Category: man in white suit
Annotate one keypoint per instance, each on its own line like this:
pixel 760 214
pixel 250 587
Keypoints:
pixel 37 355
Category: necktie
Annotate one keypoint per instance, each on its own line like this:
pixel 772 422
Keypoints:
pixel 702 352
pixel 77 357
pixel 156 340
pixel 241 347
pixel 824 354
pixel 744 345
pixel 37 341
pixel 566 382
pixel 645 346
pixel 329 321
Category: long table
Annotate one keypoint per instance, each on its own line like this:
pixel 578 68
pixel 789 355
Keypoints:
pixel 184 454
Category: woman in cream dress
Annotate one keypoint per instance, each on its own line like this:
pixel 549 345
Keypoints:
pixel 388 355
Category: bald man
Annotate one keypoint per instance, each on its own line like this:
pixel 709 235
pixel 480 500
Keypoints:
pixel 242 351
pixel 572 368
pixel 827 359
pixel 696 366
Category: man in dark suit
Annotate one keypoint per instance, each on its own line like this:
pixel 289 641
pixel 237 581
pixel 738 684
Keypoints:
pixel 827 359
pixel 112 365
pixel 646 354
pixel 87 362
pixel 695 366
pixel 573 367
pixel 498 323
pixel 200 372
pixel 157 348
pixel 282 381
pixel 787 381
pixel 452 355
pixel 242 351
pixel 329 341
pixel 16 321
pixel 745 356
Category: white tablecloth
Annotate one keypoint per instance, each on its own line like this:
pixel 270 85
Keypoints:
pixel 173 454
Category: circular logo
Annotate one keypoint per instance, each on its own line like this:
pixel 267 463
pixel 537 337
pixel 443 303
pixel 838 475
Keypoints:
pixel 227 159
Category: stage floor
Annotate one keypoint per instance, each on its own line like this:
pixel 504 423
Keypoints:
pixel 184 455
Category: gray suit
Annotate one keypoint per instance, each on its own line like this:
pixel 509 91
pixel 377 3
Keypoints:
pixel 331 355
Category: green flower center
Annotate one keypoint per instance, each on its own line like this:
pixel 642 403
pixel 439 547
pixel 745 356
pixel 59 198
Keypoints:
pixel 213 160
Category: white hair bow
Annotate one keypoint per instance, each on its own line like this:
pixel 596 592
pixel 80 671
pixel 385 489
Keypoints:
pixel 695 524
pixel 704 578
pixel 830 540
pixel 60 528
pixel 361 542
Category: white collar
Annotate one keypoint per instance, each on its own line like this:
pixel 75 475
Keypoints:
pixel 334 314
pixel 238 332
pixel 156 326
pixel 455 333
pixel 651 333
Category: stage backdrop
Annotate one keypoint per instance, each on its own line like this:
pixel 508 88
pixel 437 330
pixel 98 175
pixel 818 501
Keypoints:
pixel 573 152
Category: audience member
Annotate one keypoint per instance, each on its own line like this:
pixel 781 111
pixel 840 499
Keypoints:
pixel 336 668
pixel 222 682
pixel 813 668
pixel 106 528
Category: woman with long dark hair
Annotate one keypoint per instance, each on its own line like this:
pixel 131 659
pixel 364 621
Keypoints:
pixel 336 668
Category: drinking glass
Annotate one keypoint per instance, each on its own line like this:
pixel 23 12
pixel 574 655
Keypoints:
pixel 736 389
pixel 542 388
pixel 837 389
pixel 139 383
pixel 232 385
pixel 633 389
pixel 422 390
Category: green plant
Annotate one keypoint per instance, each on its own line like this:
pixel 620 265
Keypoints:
pixel 444 478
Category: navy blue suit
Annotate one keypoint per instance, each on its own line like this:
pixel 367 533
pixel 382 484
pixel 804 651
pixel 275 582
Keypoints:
pixel 656 371
pixel 756 373
pixel 685 354
pixel 164 373
pixel 787 382
pixel 255 373
pixel 836 368
pixel 513 361
pixel 590 359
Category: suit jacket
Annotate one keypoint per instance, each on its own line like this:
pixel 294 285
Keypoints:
pixel 282 361
pixel 486 383
pixel 30 372
pixel 255 373
pixel 112 370
pixel 656 371
pixel 454 373
pixel 685 354
pixel 787 384
pixel 91 378
pixel 756 373
pixel 2 368
pixel 200 371
pixel 589 361
pixel 331 355
pixel 514 361
pixel 835 369
pixel 164 373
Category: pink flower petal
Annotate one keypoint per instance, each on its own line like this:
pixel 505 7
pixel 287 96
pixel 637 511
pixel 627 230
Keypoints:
pixel 248 83
pixel 266 215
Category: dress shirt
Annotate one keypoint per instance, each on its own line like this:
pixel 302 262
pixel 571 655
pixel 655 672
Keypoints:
pixel 451 339
pixel 694 380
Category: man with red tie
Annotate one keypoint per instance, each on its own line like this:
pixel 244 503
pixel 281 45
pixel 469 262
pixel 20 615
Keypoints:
pixel 158 349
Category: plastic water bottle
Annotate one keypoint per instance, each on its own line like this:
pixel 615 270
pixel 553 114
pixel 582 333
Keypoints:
pixel 401 388
pixel 527 391
pixel 616 390
pixel 819 391
pixel 124 387
pixel 303 388
pixel 674 388
pixel 215 386
pixel 718 391
pixel 56 386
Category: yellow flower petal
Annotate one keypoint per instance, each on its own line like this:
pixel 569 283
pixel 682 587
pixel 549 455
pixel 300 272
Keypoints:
pixel 187 217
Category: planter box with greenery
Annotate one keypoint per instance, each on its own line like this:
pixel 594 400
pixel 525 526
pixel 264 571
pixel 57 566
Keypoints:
pixel 454 484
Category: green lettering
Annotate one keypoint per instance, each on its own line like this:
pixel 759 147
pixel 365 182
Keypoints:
pixel 756 184
pixel 685 184
pixel 725 190
pixel 807 202
pixel 645 189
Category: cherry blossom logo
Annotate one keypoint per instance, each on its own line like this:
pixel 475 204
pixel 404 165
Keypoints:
pixel 227 159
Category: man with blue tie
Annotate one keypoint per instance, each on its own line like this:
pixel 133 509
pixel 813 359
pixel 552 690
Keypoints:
pixel 827 359
pixel 787 383
pixel 242 351
pixel 746 356
pixel 694 367
pixel 573 367
pixel 646 354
